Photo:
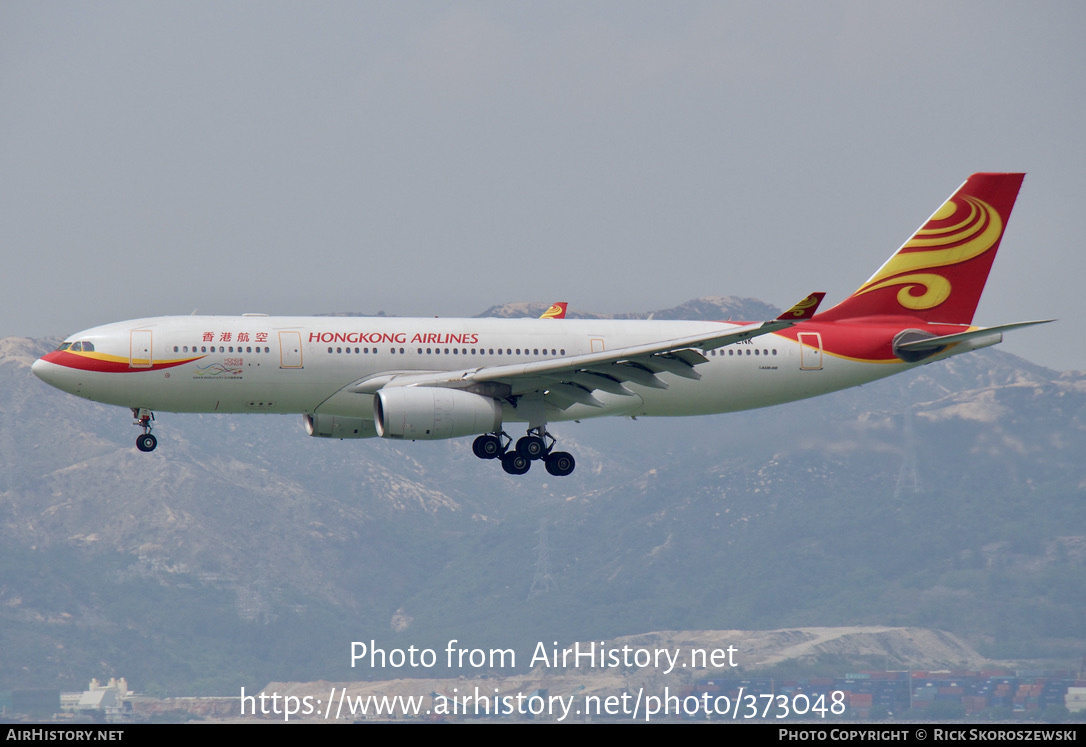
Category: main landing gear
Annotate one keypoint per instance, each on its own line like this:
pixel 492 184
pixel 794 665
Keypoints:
pixel 144 417
pixel 530 448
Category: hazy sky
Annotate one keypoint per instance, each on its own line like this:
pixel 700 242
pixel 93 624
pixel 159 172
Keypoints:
pixel 437 158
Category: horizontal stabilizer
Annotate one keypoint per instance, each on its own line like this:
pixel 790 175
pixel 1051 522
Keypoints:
pixel 935 343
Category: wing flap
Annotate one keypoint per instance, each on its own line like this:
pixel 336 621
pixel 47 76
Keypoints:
pixel 659 363
pixel 629 372
pixel 574 393
pixel 593 381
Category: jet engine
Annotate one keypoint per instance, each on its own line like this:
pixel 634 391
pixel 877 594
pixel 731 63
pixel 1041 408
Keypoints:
pixel 429 413
pixel 337 426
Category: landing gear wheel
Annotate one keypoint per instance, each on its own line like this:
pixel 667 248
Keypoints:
pixel 560 463
pixel 487 447
pixel 514 463
pixel 532 447
pixel 144 417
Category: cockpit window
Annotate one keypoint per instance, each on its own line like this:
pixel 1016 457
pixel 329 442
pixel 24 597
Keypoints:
pixel 64 346
pixel 76 347
pixel 88 346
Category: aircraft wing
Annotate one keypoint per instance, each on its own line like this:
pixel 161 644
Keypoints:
pixel 573 379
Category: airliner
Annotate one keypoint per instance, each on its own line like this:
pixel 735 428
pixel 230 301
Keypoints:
pixel 424 379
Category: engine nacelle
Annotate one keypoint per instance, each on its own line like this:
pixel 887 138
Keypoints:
pixel 429 413
pixel 337 426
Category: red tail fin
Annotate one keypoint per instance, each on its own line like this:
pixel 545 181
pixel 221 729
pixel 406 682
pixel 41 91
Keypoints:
pixel 939 273
pixel 556 311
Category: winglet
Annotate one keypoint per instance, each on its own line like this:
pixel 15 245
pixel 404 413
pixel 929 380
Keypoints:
pixel 805 309
pixel 556 311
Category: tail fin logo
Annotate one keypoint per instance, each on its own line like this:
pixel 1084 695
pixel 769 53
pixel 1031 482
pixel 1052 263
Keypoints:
pixel 960 230
pixel 805 309
pixel 556 311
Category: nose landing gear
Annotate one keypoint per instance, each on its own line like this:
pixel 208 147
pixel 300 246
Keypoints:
pixel 145 441
pixel 530 448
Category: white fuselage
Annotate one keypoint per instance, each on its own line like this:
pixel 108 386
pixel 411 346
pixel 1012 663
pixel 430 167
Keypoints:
pixel 256 363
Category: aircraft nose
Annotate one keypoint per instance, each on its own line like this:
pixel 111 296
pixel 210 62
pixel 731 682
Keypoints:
pixel 38 368
pixel 45 371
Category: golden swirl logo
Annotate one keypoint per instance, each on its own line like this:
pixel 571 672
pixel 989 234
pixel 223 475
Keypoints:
pixel 556 311
pixel 958 232
pixel 800 309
